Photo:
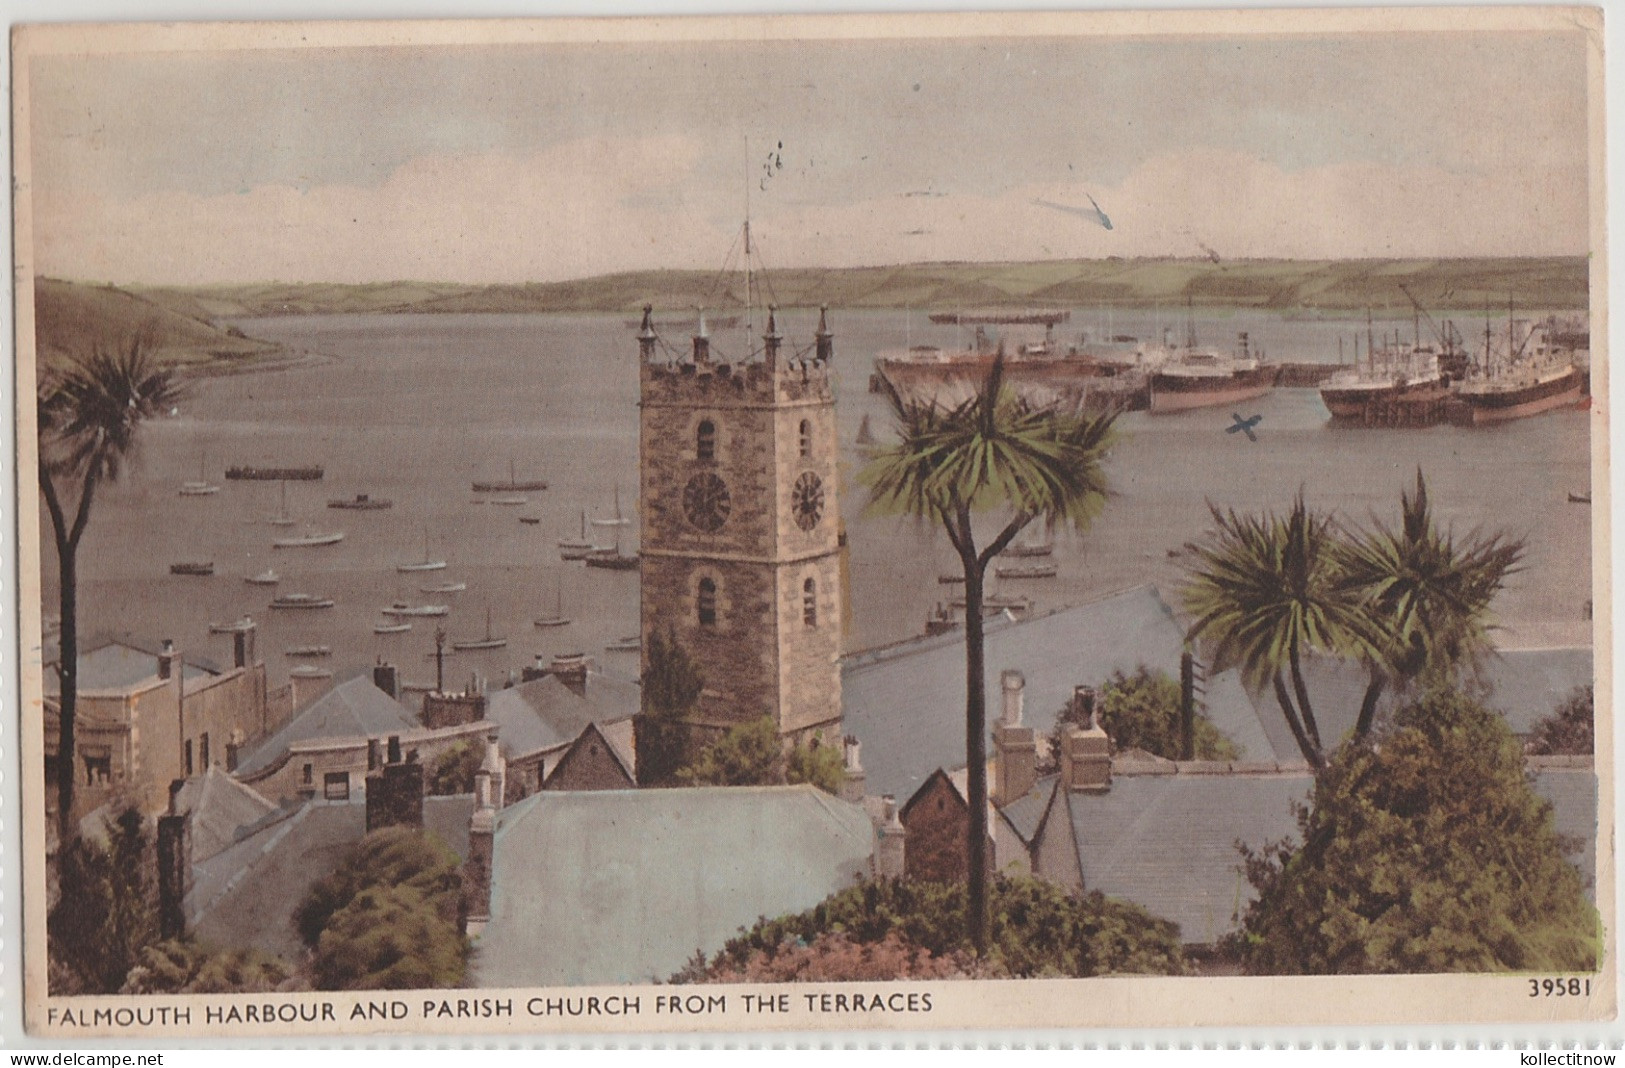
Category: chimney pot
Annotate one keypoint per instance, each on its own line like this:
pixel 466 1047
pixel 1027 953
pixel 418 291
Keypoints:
pixel 394 749
pixel 1014 686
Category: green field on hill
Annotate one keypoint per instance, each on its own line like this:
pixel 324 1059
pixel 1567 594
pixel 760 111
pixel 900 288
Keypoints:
pixel 189 322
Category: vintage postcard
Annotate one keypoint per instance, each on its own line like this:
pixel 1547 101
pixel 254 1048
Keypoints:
pixel 794 524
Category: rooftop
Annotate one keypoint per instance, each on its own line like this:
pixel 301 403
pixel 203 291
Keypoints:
pixel 354 708
pixel 906 702
pixel 624 886
pixel 545 713
pixel 125 663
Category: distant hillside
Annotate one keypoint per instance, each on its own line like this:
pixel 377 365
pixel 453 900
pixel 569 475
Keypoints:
pixel 1280 285
pixel 72 319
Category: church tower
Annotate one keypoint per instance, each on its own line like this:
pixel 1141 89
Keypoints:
pixel 741 545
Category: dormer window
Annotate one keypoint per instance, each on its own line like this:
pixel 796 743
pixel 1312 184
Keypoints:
pixel 705 441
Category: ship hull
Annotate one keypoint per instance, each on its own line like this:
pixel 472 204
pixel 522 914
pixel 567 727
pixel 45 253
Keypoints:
pixel 1182 393
pixel 1481 408
pixel 1392 406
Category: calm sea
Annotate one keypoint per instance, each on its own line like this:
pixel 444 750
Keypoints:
pixel 415 408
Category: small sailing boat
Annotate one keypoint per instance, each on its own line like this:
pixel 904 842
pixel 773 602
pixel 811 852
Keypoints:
pixel 487 642
pixel 558 618
pixel 401 608
pixel 509 501
pixel 307 540
pixel 301 600
pixel 202 487
pixel 630 644
pixel 391 628
pixel 282 518
pixel 576 548
pixel 192 567
pixel 445 587
pixel 1040 544
pixel 425 564
pixel 512 485
pixel 268 577
pixel 618 520
pixel 1026 571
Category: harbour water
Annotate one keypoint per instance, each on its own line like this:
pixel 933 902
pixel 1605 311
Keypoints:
pixel 416 408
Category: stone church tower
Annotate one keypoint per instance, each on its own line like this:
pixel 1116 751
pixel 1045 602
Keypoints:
pixel 741 544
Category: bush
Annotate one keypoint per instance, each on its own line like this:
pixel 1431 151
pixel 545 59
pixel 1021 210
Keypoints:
pixel 1569 730
pixel 1038 929
pixel 107 911
pixel 1141 711
pixel 453 772
pixel 1425 850
pixel 388 918
pixel 185 966
pixel 671 688
pixel 753 754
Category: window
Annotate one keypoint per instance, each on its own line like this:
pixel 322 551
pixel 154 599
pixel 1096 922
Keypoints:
pixel 809 602
pixel 705 441
pixel 806 438
pixel 98 769
pixel 203 751
pixel 188 758
pixel 309 775
pixel 231 757
pixel 336 785
pixel 706 603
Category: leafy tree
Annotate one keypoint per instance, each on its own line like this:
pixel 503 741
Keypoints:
pixel 1428 596
pixel 186 966
pixel 671 688
pixel 1570 729
pixel 747 755
pixel 89 413
pixel 752 754
pixel 1267 590
pixel 1039 929
pixel 1141 711
pixel 387 919
pixel 453 772
pixel 996 451
pixel 834 957
pixel 1425 850
pixel 107 911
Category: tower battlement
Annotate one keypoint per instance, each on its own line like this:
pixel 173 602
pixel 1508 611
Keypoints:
pixel 695 374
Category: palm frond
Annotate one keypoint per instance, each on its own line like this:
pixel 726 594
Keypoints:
pixel 89 410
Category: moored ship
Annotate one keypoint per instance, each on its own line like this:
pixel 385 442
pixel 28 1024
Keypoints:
pixel 1531 377
pixel 1199 378
pixel 275 474
pixel 1398 386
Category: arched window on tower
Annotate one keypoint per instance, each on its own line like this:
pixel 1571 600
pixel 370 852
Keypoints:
pixel 706 603
pixel 806 438
pixel 809 602
pixel 705 440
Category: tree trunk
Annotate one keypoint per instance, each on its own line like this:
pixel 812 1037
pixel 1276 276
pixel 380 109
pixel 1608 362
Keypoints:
pixel 976 753
pixel 1368 706
pixel 1310 751
pixel 1302 691
pixel 68 679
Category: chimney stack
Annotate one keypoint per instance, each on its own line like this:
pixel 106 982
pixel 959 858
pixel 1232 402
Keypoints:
pixel 242 643
pixel 495 769
pixel 174 865
pixel 890 853
pixel 387 678
pixel 168 661
pixel 852 787
pixel 1086 752
pixel 571 669
pixel 702 342
pixel 1015 747
pixel 395 792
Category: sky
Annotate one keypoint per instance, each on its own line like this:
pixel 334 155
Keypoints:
pixel 489 163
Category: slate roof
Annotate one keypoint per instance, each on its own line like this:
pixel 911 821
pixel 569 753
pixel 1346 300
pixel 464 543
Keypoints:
pixel 545 713
pixel 125 663
pixel 906 702
pixel 1167 841
pixel 1525 685
pixel 219 806
pixel 623 886
pixel 354 708
pixel 245 894
pixel 1026 812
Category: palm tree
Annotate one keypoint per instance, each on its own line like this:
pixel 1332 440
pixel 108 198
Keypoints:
pixel 1428 596
pixel 1267 590
pixel 993 451
pixel 89 413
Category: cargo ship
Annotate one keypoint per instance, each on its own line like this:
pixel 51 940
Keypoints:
pixel 1192 377
pixel 1532 376
pixel 1398 385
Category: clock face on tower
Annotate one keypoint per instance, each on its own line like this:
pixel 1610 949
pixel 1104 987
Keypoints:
pixel 807 500
pixel 706 501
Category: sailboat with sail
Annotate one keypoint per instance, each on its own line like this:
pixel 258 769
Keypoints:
pixel 426 564
pixel 202 487
pixel 487 642
pixel 618 520
pixel 513 485
pixel 1041 542
pixel 613 559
